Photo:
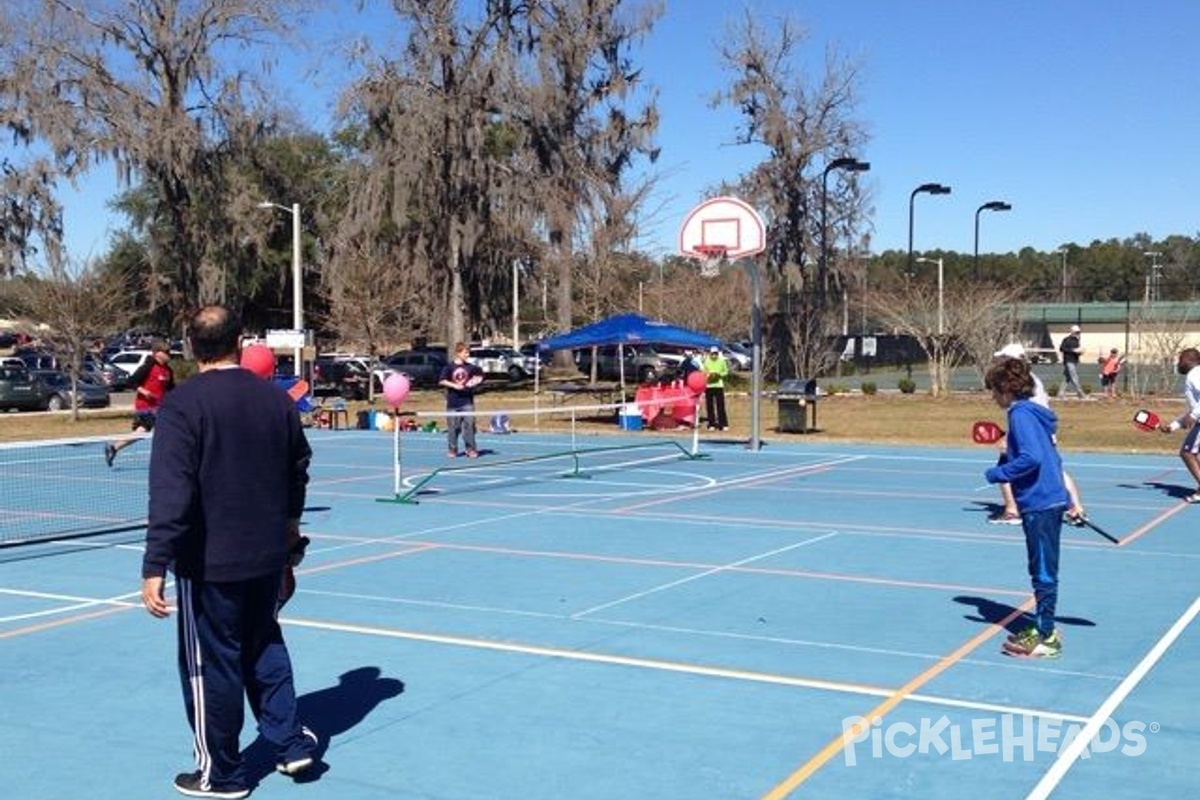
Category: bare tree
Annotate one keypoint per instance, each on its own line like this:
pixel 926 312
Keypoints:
pixel 423 123
pixel 580 131
pixel 75 305
pixel 1160 337
pixel 959 325
pixel 803 124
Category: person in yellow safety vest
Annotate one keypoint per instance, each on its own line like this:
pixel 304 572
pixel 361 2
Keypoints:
pixel 716 368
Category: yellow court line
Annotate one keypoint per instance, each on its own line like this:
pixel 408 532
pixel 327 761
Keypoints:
pixel 65 621
pixel 793 781
pixel 1154 523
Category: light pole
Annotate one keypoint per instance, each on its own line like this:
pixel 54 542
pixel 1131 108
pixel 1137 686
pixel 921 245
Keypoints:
pixel 924 188
pixel 516 319
pixel 849 164
pixel 1152 277
pixel 941 280
pixel 1063 252
pixel 991 205
pixel 297 282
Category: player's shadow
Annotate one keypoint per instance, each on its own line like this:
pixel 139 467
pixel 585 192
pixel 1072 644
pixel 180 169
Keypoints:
pixel 1171 490
pixel 988 507
pixel 994 613
pixel 329 712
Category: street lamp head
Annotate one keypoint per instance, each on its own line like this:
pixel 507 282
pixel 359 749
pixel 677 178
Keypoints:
pixel 995 205
pixel 931 188
pixel 848 163
pixel 265 204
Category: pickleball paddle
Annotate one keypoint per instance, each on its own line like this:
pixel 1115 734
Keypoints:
pixel 1146 420
pixel 985 432
pixel 287 586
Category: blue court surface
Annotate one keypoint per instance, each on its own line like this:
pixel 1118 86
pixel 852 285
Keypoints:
pixel 629 624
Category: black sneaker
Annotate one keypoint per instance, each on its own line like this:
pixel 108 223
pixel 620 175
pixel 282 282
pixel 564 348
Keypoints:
pixel 192 784
pixel 110 453
pixel 298 765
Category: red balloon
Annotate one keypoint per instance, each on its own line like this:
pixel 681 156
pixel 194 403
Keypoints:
pixel 259 359
pixel 697 381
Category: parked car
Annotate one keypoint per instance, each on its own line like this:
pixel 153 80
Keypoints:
pixel 39 360
pixel 531 352
pixel 739 358
pixel 96 370
pixel 20 390
pixel 421 366
pixel 378 371
pixel 60 394
pixel 333 378
pixel 501 361
pixel 130 360
pixel 642 363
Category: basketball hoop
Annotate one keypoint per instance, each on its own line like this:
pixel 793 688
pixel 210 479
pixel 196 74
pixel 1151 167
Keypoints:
pixel 711 257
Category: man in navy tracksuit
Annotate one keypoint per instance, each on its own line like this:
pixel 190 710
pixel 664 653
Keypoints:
pixel 228 471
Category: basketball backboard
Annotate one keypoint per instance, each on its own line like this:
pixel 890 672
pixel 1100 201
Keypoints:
pixel 722 224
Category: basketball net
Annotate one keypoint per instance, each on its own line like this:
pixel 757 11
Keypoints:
pixel 711 258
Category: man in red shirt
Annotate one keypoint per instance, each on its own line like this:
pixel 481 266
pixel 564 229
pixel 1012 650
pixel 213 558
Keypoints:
pixel 153 379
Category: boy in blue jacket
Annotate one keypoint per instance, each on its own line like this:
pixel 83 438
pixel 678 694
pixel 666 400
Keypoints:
pixel 1034 470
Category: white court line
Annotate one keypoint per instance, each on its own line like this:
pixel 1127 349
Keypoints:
pixel 78 603
pixel 697 576
pixel 671 666
pixel 1009 664
pixel 1069 754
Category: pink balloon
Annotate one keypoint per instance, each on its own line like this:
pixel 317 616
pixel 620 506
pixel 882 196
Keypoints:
pixel 259 359
pixel 395 388
pixel 697 381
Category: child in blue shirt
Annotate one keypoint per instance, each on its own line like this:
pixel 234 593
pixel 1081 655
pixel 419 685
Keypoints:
pixel 1034 470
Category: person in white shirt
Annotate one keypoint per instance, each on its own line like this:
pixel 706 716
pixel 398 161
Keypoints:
pixel 1188 365
pixel 1009 515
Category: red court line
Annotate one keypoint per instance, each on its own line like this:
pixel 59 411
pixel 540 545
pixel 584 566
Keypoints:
pixel 421 547
pixel 1154 523
pixel 809 768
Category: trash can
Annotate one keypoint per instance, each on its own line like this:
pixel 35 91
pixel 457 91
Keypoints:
pixel 797 398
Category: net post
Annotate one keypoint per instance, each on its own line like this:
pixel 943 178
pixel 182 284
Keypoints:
pixel 398 471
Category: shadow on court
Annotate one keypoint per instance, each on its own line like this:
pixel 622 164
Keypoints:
pixel 1172 490
pixel 993 613
pixel 329 712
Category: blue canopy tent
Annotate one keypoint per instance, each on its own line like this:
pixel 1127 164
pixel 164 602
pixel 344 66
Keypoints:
pixel 629 329
pixel 624 329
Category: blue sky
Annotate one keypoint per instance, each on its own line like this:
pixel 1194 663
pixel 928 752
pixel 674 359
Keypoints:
pixel 1083 114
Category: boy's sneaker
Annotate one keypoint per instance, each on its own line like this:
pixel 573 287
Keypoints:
pixel 298 765
pixel 451 454
pixel 472 454
pixel 191 784
pixel 1035 646
pixel 1025 633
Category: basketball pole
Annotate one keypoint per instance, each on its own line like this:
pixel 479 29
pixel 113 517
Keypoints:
pixel 755 352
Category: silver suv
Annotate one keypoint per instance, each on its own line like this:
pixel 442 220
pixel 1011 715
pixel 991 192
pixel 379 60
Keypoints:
pixel 642 363
pixel 501 361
